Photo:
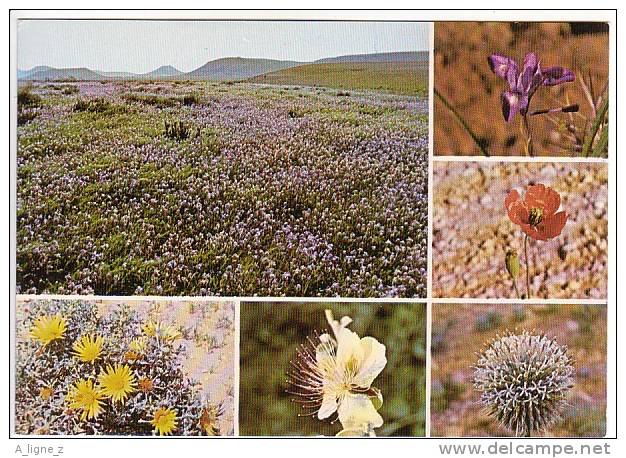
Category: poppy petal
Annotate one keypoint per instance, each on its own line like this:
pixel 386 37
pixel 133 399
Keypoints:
pixel 552 227
pixel 532 232
pixel 518 212
pixel 511 197
pixel 540 196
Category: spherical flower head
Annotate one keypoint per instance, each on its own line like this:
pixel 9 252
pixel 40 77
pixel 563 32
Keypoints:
pixel 84 396
pixel 164 421
pixel 88 348
pixel 524 380
pixel 536 214
pixel 48 328
pixel 335 375
pixel 117 382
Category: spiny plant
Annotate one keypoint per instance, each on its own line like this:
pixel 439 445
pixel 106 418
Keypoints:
pixel 524 380
pixel 81 372
pixel 180 130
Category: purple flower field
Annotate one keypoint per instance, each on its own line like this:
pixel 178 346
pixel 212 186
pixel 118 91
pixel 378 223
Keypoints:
pixel 262 190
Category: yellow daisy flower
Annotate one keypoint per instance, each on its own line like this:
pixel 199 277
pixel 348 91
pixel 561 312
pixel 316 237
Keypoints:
pixel 88 348
pixel 117 382
pixel 48 328
pixel 161 330
pixel 164 421
pixel 138 345
pixel 86 397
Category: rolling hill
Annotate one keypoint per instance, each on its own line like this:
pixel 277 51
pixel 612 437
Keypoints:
pixel 164 70
pixel 399 72
pixel 410 78
pixel 236 68
pixel 404 56
pixel 49 74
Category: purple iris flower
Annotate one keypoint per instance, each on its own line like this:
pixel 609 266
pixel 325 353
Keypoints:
pixel 524 83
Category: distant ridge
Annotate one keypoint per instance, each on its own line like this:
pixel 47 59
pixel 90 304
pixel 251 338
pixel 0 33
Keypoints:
pixel 79 74
pixel 235 68
pixel 404 56
pixel 39 68
pixel 164 70
pixel 223 69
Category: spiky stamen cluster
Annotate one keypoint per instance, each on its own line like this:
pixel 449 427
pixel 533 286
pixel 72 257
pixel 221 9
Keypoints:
pixel 306 377
pixel 535 216
pixel 524 380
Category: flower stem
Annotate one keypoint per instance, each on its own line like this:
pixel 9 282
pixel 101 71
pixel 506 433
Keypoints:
pixel 527 266
pixel 529 137
pixel 515 287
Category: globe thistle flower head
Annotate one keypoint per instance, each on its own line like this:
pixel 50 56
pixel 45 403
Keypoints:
pixel 524 380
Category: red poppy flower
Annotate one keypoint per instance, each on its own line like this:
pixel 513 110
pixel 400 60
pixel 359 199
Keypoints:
pixel 537 213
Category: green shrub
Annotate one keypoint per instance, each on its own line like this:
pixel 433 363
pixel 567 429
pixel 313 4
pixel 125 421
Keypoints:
pixel 25 116
pixel 97 105
pixel 26 99
pixel 190 99
pixel 180 130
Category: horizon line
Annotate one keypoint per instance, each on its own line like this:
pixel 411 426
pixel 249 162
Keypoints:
pixel 221 58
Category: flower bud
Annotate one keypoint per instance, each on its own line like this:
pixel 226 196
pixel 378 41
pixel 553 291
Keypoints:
pixel 512 263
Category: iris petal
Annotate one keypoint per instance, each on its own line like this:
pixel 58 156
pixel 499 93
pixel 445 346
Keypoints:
pixel 557 75
pixel 510 104
pixel 504 67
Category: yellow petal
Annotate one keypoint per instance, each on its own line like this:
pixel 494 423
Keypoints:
pixel 356 411
pixel 374 361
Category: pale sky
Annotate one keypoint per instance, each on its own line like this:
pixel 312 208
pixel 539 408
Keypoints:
pixel 142 46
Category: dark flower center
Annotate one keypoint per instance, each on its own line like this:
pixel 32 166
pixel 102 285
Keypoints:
pixel 535 217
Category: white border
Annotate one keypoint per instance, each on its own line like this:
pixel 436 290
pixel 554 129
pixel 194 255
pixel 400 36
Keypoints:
pixel 425 16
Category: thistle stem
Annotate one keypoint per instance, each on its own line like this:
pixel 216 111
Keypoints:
pixel 527 266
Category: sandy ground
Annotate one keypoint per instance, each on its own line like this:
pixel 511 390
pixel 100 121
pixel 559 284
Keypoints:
pixel 472 232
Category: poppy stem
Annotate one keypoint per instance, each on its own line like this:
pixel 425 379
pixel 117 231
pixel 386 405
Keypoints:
pixel 527 266
pixel 516 288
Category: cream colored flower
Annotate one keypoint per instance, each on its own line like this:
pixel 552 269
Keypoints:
pixel 335 374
